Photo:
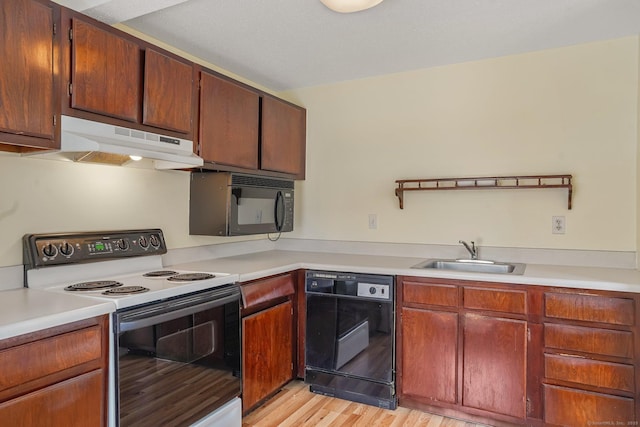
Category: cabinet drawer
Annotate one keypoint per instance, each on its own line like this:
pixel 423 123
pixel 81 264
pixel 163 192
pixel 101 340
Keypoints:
pixel 41 358
pixel 267 290
pixel 495 300
pixel 420 293
pixel 590 308
pixel 589 372
pixel 76 402
pixel 589 340
pixel 569 407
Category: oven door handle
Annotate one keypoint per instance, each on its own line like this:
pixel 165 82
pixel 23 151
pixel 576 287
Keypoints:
pixel 133 321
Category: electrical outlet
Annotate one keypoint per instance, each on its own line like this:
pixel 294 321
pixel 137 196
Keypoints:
pixel 558 225
pixel 373 221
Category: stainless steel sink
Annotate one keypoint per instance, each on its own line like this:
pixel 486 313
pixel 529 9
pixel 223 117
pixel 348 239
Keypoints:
pixel 473 266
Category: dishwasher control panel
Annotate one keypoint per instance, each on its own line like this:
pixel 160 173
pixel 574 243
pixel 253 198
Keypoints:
pixel 374 290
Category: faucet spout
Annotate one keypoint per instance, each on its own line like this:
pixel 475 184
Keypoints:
pixel 473 250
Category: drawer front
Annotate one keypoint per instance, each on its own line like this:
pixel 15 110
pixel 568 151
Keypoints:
pixel 589 340
pixel 589 372
pixel 266 290
pixel 48 356
pixel 569 407
pixel 420 293
pixel 495 300
pixel 77 402
pixel 590 308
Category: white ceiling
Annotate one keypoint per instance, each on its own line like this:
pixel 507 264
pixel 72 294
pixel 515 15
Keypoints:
pixel 288 44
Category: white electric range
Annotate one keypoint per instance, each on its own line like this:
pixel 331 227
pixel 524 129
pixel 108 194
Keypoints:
pixel 184 323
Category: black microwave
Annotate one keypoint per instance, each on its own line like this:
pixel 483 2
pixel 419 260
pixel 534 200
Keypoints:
pixel 235 204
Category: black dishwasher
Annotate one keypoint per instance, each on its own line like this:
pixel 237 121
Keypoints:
pixel 350 337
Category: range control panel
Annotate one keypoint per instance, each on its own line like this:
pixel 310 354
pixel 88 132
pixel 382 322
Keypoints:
pixel 71 248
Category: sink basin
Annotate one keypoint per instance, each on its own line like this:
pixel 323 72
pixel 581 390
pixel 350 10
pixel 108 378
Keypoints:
pixel 472 266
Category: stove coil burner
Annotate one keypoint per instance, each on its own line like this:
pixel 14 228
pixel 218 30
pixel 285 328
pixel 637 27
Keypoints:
pixel 190 277
pixel 160 273
pixel 126 290
pixel 93 286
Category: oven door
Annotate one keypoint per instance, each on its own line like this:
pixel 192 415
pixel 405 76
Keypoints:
pixel 178 360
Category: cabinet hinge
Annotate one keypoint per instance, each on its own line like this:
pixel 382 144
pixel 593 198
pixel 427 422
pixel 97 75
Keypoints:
pixel 55 121
pixel 528 406
pixel 528 334
pixel 70 34
pixel 54 29
pixel 70 88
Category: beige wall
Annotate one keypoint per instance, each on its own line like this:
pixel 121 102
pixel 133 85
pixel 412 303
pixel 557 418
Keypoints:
pixel 46 196
pixel 638 174
pixel 571 110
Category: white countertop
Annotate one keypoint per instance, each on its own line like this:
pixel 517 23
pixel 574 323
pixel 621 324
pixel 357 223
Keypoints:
pixel 261 264
pixel 29 310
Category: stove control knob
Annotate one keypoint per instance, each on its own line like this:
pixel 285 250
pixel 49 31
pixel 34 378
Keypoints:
pixel 66 249
pixel 49 250
pixel 155 241
pixel 122 244
pixel 372 290
pixel 143 242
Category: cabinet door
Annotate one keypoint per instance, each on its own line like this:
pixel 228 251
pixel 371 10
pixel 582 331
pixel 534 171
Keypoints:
pixel 494 364
pixel 283 137
pixel 229 121
pixel 105 73
pixel 168 89
pixel 267 352
pixel 26 73
pixel 429 354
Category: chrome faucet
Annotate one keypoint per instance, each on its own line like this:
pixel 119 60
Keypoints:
pixel 473 251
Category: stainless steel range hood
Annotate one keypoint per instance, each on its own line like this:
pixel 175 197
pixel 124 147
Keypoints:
pixel 88 141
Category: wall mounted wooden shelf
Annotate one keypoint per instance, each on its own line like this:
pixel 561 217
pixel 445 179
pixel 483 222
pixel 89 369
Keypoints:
pixel 485 183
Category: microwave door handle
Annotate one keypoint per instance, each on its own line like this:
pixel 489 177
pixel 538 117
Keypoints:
pixel 279 211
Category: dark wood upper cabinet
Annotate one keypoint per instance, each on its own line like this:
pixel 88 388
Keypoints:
pixel 229 122
pixel 60 62
pixel 283 137
pixel 105 72
pixel 113 77
pixel 168 92
pixel 27 74
pixel 242 127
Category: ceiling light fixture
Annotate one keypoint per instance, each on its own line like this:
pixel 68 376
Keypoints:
pixel 348 6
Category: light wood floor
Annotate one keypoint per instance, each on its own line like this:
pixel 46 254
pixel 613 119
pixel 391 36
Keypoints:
pixel 295 405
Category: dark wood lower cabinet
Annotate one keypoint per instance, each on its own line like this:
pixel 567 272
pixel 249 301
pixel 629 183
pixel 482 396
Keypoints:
pixel 56 377
pixel 267 358
pixel 504 354
pixel 268 344
pixel 494 365
pixel 591 348
pixel 571 407
pixel 75 402
pixel 430 347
